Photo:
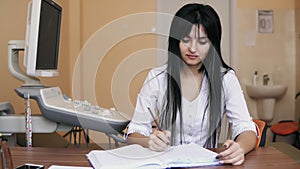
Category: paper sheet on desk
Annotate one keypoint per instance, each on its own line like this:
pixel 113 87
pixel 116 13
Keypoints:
pixel 135 156
pixel 67 167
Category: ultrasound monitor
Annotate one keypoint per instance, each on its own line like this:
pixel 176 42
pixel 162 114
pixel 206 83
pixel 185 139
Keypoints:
pixel 42 38
pixel 41 58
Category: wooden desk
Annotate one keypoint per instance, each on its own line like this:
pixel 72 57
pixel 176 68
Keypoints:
pixel 49 156
pixel 262 158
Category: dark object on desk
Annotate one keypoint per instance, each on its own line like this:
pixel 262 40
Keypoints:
pixel 31 166
pixel 5 152
pixel 285 128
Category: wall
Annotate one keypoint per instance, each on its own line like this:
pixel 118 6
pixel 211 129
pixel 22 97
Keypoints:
pixel 268 52
pixel 117 48
pixel 129 36
pixel 297 18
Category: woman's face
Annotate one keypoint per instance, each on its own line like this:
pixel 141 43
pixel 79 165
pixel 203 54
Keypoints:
pixel 194 47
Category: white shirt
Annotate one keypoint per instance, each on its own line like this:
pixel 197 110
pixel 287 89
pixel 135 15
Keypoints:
pixel 195 124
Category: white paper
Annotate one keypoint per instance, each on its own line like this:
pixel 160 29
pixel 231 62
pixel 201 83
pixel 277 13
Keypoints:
pixel 135 156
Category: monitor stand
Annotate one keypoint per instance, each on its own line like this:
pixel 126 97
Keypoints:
pixel 14 47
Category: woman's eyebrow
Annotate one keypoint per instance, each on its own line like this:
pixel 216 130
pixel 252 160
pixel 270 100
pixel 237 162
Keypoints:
pixel 187 36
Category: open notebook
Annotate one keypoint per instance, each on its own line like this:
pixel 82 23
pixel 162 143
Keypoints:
pixel 136 156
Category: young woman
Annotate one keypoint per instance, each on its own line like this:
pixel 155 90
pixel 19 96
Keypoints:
pixel 193 91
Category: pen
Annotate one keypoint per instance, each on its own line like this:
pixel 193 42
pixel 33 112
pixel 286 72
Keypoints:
pixel 155 121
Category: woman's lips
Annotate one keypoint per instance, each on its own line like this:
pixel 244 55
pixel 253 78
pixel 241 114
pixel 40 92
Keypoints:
pixel 192 56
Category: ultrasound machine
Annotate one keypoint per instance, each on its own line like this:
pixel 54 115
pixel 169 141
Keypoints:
pixel 40 59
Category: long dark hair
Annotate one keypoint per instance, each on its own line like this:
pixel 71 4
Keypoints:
pixel 213 67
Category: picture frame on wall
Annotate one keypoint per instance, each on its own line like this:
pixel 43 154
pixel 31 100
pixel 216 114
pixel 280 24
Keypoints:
pixel 265 21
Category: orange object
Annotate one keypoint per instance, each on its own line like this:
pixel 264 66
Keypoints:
pixel 285 128
pixel 260 126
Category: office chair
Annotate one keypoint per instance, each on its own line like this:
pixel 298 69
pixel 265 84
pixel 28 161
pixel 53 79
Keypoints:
pixel 286 128
pixel 6 159
pixel 260 129
pixel 6 108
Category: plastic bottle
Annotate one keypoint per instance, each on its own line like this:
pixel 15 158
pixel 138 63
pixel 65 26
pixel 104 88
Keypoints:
pixel 255 78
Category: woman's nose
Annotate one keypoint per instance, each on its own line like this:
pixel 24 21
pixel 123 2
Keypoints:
pixel 192 47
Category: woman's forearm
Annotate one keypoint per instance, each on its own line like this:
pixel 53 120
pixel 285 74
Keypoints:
pixel 136 138
pixel 247 141
pixel 235 150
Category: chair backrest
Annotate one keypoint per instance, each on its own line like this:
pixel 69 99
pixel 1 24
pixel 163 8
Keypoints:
pixel 260 126
pixel 6 108
pixel 5 152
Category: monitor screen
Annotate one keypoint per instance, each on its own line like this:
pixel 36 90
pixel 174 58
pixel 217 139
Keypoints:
pixel 42 38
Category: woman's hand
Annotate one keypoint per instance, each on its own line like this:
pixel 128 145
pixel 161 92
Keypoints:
pixel 159 140
pixel 233 153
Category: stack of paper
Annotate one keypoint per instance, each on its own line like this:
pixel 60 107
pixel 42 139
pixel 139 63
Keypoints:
pixel 136 156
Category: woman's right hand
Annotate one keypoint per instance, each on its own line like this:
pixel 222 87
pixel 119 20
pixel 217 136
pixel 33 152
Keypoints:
pixel 159 140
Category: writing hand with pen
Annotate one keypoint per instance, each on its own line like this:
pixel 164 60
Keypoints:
pixel 159 140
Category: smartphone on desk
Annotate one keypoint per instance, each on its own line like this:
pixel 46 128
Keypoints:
pixel 30 166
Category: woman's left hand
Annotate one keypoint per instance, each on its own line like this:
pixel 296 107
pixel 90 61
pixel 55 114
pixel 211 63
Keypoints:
pixel 232 153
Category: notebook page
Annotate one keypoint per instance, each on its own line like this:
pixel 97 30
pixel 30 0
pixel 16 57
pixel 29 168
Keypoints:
pixel 188 155
pixel 130 156
pixel 135 156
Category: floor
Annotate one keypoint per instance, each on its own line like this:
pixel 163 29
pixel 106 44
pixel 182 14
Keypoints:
pixel 287 149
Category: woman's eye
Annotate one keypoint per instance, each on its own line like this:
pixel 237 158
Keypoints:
pixel 202 40
pixel 185 40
